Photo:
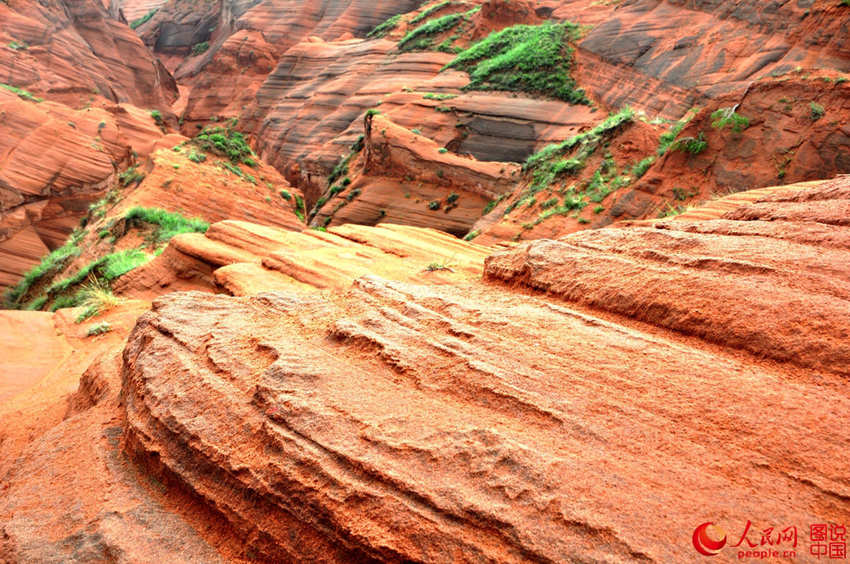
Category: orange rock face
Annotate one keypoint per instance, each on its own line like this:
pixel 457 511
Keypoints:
pixel 668 56
pixel 569 407
pixel 322 370
pixel 76 96
pixel 77 53
pixel 55 161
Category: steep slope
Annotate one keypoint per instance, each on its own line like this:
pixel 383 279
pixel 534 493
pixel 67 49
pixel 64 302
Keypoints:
pixel 55 161
pixel 78 90
pixel 76 53
pixel 667 56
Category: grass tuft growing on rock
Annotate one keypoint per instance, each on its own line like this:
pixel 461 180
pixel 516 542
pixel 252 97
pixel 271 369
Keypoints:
pixel 98 329
pixel 144 19
pixel 384 28
pixel 168 224
pixel 524 58
pixel 430 11
pixel 200 48
pixel 422 37
pixel 54 262
pixel 225 142
pixel 23 94
pixel 728 117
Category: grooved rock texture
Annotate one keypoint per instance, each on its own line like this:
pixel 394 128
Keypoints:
pixel 55 161
pixel 764 277
pixel 677 372
pixel 407 178
pixel 67 491
pixel 441 424
pixel 243 258
pixel 75 52
pixel 665 56
pixel 246 40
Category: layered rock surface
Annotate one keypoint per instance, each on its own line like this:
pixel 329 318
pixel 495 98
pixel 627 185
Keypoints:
pixel 55 161
pixel 396 419
pixel 77 88
pixel 511 436
pixel 76 52
pixel 667 56
pixel 242 258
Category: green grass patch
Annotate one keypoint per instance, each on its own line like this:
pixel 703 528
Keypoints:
pixel 728 117
pixel 225 142
pixel 98 329
pixel 131 176
pixel 144 19
pixel 51 264
pixel 430 11
pixel 524 58
pixel 438 97
pixel 669 137
pixel 384 28
pixel 422 37
pixel 200 48
pixel 691 145
pixel 106 268
pixel 168 224
pixel 642 166
pixel 23 94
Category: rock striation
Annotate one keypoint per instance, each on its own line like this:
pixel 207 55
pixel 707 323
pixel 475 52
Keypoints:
pixel 585 401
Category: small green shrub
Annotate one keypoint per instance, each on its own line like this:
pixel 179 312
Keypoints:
pixel 285 195
pixel 729 117
pixel 472 235
pixel 668 137
pixel 641 167
pixel 131 176
pixel 435 266
pixel 225 142
pixel 691 145
pixel 433 205
pixel 817 111
pixel 428 12
pixel 196 157
pixel 18 45
pixel 422 36
pixel 157 117
pixel 442 150
pixel 353 194
pixel 200 48
pixel 99 329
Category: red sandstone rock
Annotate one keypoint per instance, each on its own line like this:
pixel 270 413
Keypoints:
pixel 457 421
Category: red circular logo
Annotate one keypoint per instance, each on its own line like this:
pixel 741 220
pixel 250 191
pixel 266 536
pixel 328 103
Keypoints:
pixel 704 544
